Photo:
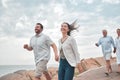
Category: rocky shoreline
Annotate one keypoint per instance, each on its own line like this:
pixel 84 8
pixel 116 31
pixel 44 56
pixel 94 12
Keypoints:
pixel 86 64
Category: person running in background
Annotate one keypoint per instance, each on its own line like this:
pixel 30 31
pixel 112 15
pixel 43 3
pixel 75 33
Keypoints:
pixel 40 44
pixel 117 43
pixel 106 42
pixel 69 56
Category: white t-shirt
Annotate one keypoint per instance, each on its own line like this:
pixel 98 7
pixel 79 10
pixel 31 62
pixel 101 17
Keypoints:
pixel 41 47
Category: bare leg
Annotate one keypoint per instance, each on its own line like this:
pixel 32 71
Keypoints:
pixel 108 66
pixel 47 75
pixel 118 67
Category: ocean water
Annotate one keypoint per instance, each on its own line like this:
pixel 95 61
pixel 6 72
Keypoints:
pixel 5 69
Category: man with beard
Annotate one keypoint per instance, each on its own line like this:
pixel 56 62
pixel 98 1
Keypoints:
pixel 40 44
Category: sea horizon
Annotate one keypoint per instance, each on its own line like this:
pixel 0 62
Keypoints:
pixel 6 69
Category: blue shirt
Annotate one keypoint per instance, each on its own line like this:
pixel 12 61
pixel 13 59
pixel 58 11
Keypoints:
pixel 106 44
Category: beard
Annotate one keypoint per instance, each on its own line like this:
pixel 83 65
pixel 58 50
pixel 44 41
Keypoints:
pixel 37 31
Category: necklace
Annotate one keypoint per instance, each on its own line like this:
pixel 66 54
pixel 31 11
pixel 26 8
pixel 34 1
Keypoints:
pixel 63 39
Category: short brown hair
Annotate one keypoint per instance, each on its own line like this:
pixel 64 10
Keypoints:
pixel 40 25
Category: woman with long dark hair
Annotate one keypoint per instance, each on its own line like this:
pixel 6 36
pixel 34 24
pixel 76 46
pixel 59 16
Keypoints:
pixel 69 56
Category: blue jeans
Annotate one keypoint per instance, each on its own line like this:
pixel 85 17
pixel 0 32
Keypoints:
pixel 66 71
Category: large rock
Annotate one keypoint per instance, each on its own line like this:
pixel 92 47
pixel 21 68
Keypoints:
pixel 19 75
pixel 28 75
pixel 99 74
pixel 86 64
pixel 92 63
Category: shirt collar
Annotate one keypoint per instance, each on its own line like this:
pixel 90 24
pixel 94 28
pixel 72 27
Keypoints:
pixel 38 35
pixel 105 36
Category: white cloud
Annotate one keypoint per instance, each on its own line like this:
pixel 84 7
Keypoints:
pixel 99 8
pixel 74 2
pixel 4 3
pixel 58 9
pixel 86 16
pixel 19 26
pixel 111 1
pixel 88 1
pixel 18 21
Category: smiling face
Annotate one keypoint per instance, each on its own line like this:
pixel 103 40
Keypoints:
pixel 64 28
pixel 38 29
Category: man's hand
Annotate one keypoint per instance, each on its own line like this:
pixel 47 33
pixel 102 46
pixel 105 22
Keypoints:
pixel 55 52
pixel 96 44
pixel 56 58
pixel 114 51
pixel 25 46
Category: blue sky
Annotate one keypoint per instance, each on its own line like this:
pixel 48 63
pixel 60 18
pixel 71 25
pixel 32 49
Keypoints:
pixel 18 18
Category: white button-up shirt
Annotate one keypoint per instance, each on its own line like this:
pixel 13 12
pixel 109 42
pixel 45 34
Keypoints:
pixel 41 47
pixel 117 42
pixel 106 43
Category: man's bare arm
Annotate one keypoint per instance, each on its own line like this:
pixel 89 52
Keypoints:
pixel 55 51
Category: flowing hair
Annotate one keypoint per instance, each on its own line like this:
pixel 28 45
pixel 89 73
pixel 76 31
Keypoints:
pixel 72 27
